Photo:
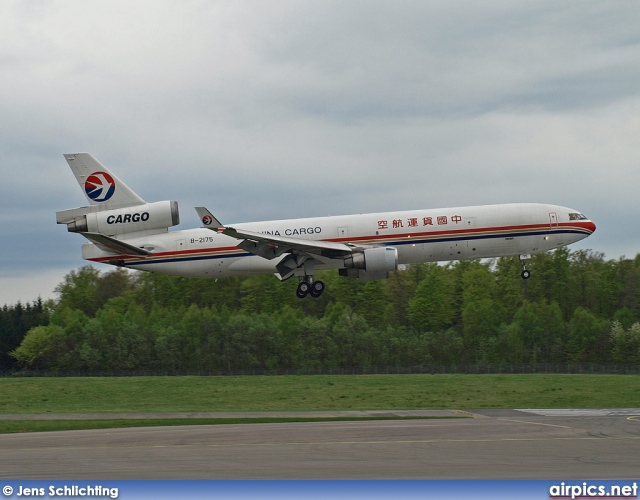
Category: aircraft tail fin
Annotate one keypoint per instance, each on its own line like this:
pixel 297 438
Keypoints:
pixel 114 210
pixel 103 190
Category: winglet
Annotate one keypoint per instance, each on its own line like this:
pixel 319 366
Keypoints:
pixel 207 218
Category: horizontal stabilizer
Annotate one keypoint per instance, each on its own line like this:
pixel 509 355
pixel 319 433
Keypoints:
pixel 108 244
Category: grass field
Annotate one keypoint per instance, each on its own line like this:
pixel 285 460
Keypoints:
pixel 315 392
pixel 297 393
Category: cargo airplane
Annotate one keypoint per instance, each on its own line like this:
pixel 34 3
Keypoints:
pixel 124 230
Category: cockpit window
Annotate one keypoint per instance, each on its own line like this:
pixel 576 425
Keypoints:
pixel 577 217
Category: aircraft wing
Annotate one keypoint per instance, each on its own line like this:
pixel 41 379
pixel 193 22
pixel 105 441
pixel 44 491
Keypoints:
pixel 300 252
pixel 274 246
pixel 108 244
pixel 270 246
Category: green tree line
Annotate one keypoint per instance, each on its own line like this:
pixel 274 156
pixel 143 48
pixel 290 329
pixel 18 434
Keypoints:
pixel 576 308
pixel 15 322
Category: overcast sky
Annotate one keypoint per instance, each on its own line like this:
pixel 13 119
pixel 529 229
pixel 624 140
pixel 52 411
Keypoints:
pixel 279 109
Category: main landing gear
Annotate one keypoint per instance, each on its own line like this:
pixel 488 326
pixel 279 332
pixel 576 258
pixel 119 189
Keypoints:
pixel 526 274
pixel 308 286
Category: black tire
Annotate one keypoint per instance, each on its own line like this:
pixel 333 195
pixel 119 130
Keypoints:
pixel 316 289
pixel 526 274
pixel 303 290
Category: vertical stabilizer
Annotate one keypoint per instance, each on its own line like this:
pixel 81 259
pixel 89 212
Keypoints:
pixel 100 186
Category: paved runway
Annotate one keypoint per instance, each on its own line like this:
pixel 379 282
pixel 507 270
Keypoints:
pixel 495 444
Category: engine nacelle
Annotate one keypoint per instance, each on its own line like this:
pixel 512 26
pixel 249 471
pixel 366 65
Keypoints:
pixel 371 264
pixel 147 217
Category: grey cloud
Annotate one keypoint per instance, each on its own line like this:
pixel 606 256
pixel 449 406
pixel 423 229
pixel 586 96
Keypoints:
pixel 264 110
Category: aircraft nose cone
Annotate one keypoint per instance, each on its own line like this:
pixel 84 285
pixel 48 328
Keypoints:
pixel 591 226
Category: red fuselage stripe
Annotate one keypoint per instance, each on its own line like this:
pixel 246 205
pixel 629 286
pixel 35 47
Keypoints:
pixel 582 226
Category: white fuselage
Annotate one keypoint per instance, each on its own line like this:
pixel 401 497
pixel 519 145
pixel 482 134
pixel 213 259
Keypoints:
pixel 419 236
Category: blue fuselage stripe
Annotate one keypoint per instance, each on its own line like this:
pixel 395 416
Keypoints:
pixel 403 241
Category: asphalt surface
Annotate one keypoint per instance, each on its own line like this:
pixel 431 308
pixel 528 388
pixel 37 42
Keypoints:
pixel 493 444
pixel 237 414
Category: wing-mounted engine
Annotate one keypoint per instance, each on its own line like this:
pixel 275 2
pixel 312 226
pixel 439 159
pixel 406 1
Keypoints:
pixel 146 218
pixel 371 263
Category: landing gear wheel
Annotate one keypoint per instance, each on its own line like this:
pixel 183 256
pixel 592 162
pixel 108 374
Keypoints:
pixel 303 289
pixel 316 289
pixel 526 274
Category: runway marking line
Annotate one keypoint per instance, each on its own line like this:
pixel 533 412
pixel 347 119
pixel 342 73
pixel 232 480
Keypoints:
pixel 535 423
pixel 327 443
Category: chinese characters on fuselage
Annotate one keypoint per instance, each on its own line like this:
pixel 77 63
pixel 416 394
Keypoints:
pixel 416 222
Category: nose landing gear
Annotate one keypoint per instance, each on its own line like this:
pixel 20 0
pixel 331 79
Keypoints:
pixel 526 274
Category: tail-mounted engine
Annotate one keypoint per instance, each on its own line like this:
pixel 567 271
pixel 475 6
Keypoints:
pixel 155 217
pixel 371 264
